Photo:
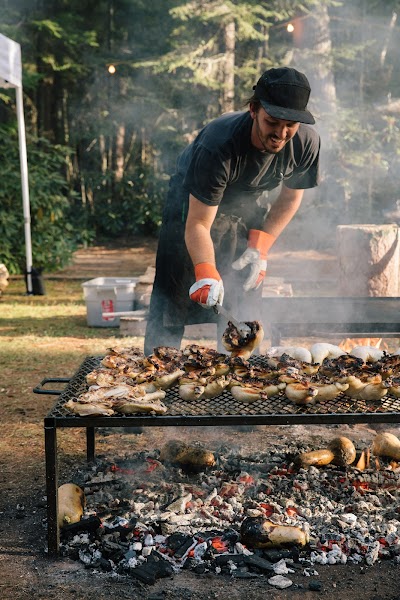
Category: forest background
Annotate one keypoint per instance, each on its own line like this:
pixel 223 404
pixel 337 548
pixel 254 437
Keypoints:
pixel 114 89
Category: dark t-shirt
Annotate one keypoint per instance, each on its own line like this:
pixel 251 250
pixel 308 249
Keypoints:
pixel 221 166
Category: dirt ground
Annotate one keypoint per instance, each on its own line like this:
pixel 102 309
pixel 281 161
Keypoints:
pixel 28 573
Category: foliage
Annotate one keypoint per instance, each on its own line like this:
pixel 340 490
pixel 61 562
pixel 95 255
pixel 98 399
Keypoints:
pixel 132 205
pixel 53 237
pixel 125 130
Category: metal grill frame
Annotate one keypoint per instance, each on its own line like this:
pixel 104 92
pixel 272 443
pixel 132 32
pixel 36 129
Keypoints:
pixel 223 410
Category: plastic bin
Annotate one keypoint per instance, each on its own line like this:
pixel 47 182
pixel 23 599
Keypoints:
pixel 108 294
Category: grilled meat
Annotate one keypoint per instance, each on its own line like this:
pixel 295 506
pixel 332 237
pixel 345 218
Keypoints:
pixel 297 352
pixel 301 393
pixel 243 345
pixel 150 403
pixel 321 351
pixel 89 410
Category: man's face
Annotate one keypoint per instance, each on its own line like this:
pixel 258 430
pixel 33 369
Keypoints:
pixel 270 134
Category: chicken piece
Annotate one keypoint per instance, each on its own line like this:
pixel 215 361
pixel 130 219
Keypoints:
pixel 119 356
pixel 89 410
pixel 368 387
pixel 150 403
pixel 368 354
pixel 243 345
pixel 216 385
pixel 102 394
pixel 139 372
pixel 284 363
pixel 167 355
pixel 130 352
pixel 321 351
pixel 329 391
pixel 297 352
pixel 387 366
pixel 191 390
pixel 244 370
pixel 199 357
pixel 252 390
pixel 165 380
pixel 198 384
pixel 394 388
pixel 343 365
pixel 102 377
pixel 301 393
pixel 113 361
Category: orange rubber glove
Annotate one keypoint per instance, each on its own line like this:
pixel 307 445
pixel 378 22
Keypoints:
pixel 255 255
pixel 208 289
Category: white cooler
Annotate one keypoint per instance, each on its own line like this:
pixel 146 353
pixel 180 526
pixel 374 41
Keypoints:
pixel 108 295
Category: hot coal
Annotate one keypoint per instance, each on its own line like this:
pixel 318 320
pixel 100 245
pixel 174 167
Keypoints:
pixel 147 520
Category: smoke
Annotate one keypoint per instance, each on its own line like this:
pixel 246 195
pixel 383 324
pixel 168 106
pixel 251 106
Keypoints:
pixel 350 59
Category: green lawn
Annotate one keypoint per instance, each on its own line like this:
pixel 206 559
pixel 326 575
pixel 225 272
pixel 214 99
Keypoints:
pixel 47 336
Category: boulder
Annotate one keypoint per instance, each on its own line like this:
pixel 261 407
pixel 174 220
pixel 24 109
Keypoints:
pixel 4 275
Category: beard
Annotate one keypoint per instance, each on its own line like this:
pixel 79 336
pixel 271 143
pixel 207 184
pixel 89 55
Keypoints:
pixel 270 143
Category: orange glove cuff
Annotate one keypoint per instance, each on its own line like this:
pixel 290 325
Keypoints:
pixel 261 240
pixel 206 271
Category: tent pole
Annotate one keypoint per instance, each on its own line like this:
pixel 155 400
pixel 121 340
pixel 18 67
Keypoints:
pixel 25 187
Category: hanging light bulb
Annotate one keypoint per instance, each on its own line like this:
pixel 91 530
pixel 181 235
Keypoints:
pixel 290 28
pixel 111 69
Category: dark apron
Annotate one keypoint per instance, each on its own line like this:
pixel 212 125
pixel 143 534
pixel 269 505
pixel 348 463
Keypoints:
pixel 174 268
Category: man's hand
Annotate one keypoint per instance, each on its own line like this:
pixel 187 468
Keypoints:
pixel 255 255
pixel 208 289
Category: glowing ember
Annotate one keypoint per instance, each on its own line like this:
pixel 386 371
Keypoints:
pixel 219 545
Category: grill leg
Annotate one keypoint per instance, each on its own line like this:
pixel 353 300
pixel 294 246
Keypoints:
pixel 53 531
pixel 90 444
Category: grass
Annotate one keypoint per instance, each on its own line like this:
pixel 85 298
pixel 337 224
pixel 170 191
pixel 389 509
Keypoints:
pixel 45 336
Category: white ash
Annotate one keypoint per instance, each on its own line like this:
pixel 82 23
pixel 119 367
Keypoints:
pixel 280 582
pixel 350 515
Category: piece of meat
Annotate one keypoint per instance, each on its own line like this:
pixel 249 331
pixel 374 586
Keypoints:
pixel 297 352
pixel 321 351
pixel 150 403
pixel 243 345
pixel 87 409
pixel 301 393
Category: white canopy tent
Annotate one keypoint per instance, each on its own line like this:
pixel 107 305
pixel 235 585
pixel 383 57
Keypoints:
pixel 11 77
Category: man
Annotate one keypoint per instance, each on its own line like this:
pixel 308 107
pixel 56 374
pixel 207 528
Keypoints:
pixel 215 232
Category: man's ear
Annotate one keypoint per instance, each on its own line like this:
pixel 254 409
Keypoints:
pixel 253 110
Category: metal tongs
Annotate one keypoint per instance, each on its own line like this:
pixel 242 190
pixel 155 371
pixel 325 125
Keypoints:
pixel 240 326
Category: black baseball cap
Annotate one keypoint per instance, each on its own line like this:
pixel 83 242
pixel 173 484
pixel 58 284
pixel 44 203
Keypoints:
pixel 284 93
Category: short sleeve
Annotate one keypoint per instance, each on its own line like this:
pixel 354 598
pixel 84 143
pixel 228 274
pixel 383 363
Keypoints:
pixel 207 175
pixel 306 152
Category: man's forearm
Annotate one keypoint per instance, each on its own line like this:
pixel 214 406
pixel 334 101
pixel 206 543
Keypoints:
pixel 282 211
pixel 199 244
pixel 197 233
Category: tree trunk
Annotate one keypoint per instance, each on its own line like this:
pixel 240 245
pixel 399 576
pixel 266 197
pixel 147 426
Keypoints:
pixel 119 152
pixel 368 257
pixel 228 85
pixel 313 33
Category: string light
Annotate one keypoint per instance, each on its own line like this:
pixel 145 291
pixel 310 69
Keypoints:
pixel 290 27
pixel 111 69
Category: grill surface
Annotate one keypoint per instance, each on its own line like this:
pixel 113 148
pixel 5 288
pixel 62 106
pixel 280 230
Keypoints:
pixel 225 409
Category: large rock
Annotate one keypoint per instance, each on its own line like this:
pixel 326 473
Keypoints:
pixel 368 257
pixel 4 275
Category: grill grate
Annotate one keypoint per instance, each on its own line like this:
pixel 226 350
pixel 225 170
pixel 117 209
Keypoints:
pixel 277 408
